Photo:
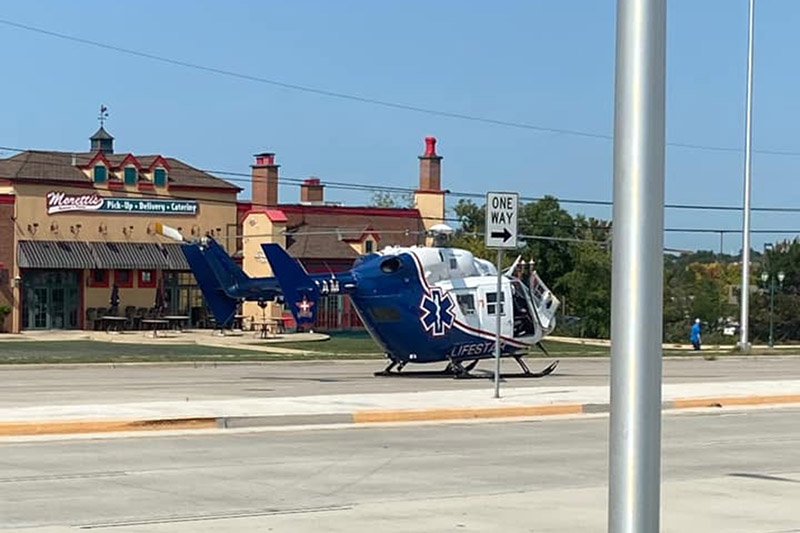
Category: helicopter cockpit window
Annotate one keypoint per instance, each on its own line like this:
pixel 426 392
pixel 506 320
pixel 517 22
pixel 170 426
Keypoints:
pixel 466 302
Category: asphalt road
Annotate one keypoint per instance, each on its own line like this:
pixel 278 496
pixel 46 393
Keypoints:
pixel 737 472
pixel 91 384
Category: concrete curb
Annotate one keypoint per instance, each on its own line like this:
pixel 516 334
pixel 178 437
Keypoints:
pixel 56 427
pixel 63 427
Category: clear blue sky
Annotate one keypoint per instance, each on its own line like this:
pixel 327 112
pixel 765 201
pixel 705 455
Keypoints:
pixel 549 63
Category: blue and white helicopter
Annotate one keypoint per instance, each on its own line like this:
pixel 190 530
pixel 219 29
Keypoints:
pixel 419 304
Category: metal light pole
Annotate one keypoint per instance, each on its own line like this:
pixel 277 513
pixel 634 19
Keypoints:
pixel 744 344
pixel 767 277
pixel 637 268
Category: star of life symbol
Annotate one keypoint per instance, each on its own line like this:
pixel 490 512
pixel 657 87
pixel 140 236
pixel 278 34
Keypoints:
pixel 304 307
pixel 437 312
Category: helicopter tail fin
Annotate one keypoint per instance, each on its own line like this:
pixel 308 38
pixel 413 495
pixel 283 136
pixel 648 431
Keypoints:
pixel 299 291
pixel 221 305
pixel 230 275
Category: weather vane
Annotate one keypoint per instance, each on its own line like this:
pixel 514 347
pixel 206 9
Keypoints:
pixel 103 115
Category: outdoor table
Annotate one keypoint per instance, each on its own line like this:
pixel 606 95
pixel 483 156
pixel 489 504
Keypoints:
pixel 262 326
pixel 176 321
pixel 237 321
pixel 155 322
pixel 111 322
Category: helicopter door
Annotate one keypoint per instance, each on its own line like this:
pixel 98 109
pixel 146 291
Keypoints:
pixel 544 302
pixel 467 304
pixel 488 308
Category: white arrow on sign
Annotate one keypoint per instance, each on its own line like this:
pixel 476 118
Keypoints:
pixel 501 219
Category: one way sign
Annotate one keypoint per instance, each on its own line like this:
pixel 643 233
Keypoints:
pixel 501 219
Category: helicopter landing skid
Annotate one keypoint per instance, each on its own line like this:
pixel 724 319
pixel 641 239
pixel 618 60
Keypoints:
pixel 526 372
pixel 463 371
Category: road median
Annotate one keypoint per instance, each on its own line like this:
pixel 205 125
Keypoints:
pixel 365 409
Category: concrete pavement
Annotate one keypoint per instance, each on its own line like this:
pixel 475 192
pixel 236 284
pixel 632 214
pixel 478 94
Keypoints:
pixel 244 340
pixel 35 385
pixel 737 473
pixel 373 407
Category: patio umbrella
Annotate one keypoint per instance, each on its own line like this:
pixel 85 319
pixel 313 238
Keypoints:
pixel 159 304
pixel 114 300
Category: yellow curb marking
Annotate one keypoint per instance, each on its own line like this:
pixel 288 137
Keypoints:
pixel 53 427
pixel 736 400
pixel 409 415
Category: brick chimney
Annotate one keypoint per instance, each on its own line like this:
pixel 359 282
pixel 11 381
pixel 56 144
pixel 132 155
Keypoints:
pixel 311 191
pixel 265 180
pixel 430 167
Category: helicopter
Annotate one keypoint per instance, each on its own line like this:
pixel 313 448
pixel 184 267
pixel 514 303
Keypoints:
pixel 420 304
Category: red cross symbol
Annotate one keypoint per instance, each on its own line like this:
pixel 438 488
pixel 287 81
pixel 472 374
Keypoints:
pixel 305 307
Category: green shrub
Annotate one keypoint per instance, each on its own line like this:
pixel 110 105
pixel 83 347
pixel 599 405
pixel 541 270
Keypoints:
pixel 4 312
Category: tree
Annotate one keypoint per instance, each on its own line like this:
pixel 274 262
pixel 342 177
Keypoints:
pixel 697 285
pixel 393 199
pixel 540 222
pixel 782 257
pixel 588 289
pixel 471 216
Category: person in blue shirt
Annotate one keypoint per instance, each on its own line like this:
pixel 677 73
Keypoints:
pixel 695 336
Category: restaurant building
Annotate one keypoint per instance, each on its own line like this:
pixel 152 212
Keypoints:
pixel 73 225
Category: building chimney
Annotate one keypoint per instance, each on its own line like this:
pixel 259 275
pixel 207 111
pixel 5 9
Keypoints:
pixel 311 191
pixel 265 180
pixel 430 167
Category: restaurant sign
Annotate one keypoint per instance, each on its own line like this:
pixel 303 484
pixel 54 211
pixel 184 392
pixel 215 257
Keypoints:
pixel 60 202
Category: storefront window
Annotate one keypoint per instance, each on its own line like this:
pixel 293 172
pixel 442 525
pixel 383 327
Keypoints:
pixel 147 278
pixel 50 299
pixel 184 296
pixel 123 279
pixel 98 278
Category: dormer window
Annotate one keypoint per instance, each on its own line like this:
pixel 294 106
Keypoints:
pixel 160 177
pixel 131 176
pixel 369 246
pixel 100 174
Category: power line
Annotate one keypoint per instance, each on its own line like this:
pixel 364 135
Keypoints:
pixel 242 177
pixel 157 195
pixel 368 100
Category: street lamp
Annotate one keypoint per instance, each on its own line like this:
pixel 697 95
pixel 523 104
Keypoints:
pixel 766 277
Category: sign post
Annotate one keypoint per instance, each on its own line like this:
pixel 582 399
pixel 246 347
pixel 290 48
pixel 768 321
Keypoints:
pixel 501 233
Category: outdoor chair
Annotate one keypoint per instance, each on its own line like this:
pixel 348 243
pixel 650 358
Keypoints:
pixel 141 312
pixel 91 318
pixel 130 315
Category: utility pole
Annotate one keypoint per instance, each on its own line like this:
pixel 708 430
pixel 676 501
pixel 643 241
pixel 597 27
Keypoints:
pixel 638 268
pixel 744 320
